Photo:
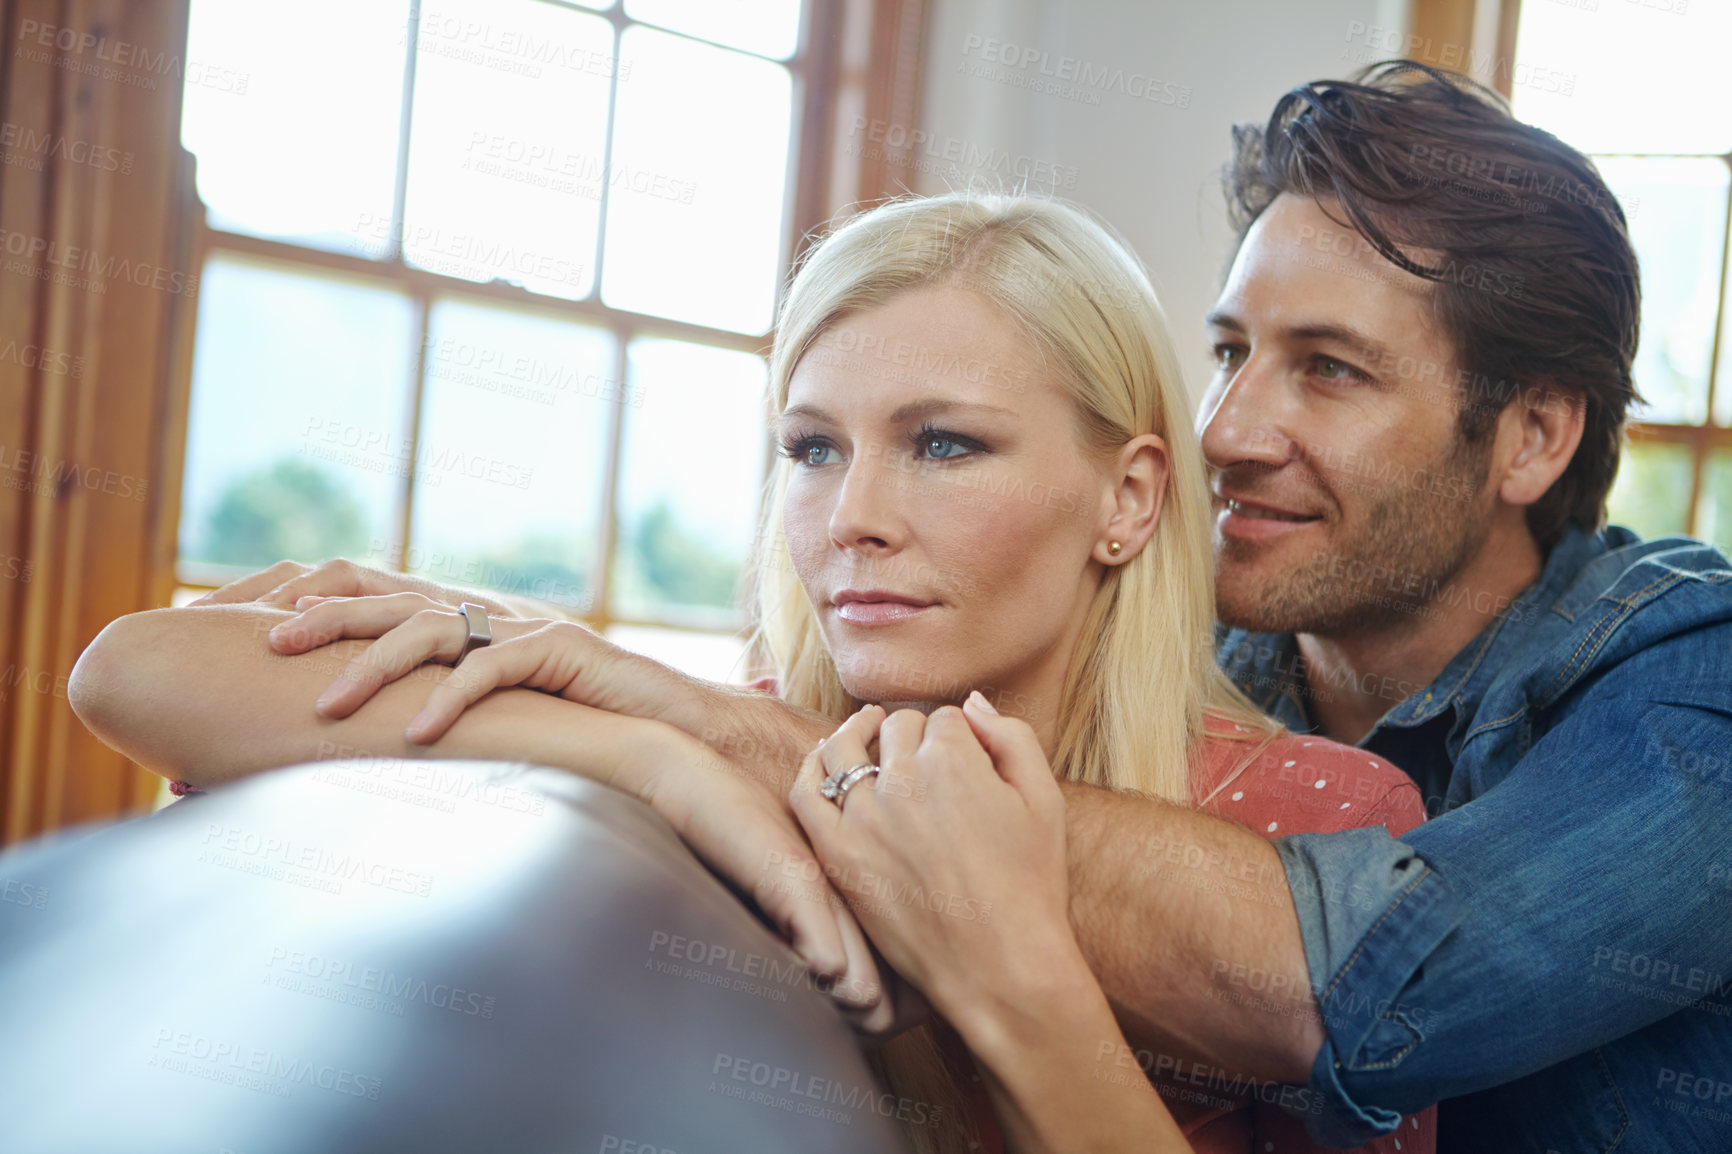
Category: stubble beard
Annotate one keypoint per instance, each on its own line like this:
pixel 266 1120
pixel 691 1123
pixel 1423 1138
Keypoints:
pixel 1380 575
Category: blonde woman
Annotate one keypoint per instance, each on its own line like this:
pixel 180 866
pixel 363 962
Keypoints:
pixel 991 493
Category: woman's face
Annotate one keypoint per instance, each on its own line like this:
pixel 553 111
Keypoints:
pixel 937 461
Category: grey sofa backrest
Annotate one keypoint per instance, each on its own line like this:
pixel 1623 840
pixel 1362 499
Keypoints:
pixel 408 956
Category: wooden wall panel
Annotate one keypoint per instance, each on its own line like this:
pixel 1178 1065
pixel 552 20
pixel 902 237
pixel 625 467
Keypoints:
pixel 94 278
pixel 1444 32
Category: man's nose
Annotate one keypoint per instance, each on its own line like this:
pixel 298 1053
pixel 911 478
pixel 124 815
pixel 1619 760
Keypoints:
pixel 1242 417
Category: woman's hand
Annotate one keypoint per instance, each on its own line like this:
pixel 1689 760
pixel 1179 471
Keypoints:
pixel 351 600
pixel 288 581
pixel 742 832
pixel 563 658
pixel 953 857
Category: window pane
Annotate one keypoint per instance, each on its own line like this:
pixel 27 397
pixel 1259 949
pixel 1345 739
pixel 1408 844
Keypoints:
pixel 691 468
pixel 767 27
pixel 513 446
pixel 700 168
pixel 1652 492
pixel 506 151
pixel 1626 77
pixel 296 434
pixel 1677 212
pixel 1714 517
pixel 295 127
pixel 1723 374
pixel 716 656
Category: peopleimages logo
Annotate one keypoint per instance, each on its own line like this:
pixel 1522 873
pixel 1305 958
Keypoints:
pixel 86 268
pixel 960 154
pixel 805 1090
pixel 327 974
pixel 253 1067
pixel 33 473
pixel 121 60
pixel 305 864
pixel 35 146
pixel 1068 76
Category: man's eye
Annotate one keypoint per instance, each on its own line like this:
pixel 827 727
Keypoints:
pixel 1331 369
pixel 1229 356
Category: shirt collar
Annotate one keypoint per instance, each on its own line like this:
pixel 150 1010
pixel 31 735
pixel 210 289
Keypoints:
pixel 1465 679
pixel 1275 674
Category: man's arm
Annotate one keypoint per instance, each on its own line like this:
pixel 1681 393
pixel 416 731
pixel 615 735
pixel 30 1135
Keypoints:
pixel 1148 884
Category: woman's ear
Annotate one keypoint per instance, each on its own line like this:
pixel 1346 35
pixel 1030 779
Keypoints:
pixel 1141 471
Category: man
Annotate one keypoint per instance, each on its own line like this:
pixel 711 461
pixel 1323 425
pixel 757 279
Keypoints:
pixel 1424 348
pixel 1412 468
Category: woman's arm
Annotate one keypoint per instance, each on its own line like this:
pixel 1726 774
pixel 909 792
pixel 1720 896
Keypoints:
pixel 760 733
pixel 1057 1068
pixel 198 694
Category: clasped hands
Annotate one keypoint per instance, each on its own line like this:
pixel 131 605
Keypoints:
pixel 951 860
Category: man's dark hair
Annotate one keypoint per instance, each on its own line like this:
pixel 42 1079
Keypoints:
pixel 1536 280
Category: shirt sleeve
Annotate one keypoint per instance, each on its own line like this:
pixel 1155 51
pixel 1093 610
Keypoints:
pixel 1423 948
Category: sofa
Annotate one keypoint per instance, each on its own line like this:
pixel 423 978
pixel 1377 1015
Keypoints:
pixel 400 955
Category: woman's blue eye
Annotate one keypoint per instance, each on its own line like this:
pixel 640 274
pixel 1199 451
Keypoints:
pixel 926 439
pixel 800 451
pixel 929 442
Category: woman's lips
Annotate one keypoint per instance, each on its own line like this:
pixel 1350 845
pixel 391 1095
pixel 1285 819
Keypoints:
pixel 879 612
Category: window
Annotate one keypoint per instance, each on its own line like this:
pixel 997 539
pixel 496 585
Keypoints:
pixel 485 294
pixel 1649 98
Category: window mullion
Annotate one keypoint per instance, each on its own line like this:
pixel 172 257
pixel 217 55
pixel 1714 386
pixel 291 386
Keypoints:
pixel 608 521
pixel 405 121
pixel 605 193
pixel 417 403
pixel 1714 349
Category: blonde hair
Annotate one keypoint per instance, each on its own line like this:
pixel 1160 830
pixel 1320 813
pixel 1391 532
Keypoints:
pixel 1143 673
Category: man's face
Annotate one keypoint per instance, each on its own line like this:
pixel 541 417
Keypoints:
pixel 1343 501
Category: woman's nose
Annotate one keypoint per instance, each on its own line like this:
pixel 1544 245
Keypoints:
pixel 870 500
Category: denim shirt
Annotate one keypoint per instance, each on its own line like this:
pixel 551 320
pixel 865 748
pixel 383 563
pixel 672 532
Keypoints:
pixel 1550 955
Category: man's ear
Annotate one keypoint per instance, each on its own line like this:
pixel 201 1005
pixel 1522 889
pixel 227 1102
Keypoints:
pixel 1539 430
